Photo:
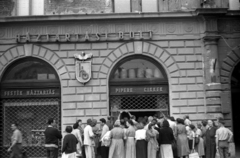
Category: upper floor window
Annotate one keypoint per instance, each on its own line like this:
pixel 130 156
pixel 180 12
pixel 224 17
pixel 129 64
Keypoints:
pixel 30 69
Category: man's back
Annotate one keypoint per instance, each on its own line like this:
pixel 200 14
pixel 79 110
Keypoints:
pixel 52 135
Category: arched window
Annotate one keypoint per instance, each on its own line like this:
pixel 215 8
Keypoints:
pixel 30 69
pixel 30 94
pixel 139 85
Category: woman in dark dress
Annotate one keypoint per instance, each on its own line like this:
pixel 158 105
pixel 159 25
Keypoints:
pixel 210 140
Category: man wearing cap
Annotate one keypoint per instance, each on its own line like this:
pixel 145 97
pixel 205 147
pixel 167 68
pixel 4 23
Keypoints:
pixel 223 137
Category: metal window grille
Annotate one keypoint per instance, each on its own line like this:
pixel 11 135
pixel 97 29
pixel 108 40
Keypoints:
pixel 31 115
pixel 140 102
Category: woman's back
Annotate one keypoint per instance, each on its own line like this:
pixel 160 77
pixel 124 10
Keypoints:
pixel 117 133
pixel 181 129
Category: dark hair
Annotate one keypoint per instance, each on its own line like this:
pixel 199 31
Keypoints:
pixel 79 121
pixel 50 121
pixel 165 123
pixel 154 120
pixel 103 120
pixel 75 125
pixel 204 123
pixel 179 121
pixel 130 122
pixel 68 129
pixel 150 126
pixel 221 120
pixel 172 118
pixel 187 116
pixel 192 126
pixel 89 121
pixel 15 123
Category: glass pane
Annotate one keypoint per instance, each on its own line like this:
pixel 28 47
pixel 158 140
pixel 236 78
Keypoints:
pixel 137 68
pixel 30 70
pixel 37 7
pixel 23 7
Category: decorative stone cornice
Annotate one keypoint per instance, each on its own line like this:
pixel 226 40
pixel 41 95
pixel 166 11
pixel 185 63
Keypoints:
pixel 211 39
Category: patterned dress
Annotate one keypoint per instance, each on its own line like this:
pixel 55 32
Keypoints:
pixel 151 136
pixel 182 141
pixel 130 148
pixel 116 149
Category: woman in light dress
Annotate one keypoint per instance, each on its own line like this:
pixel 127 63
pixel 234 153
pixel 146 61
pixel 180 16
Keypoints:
pixel 76 132
pixel 182 141
pixel 151 136
pixel 200 146
pixel 130 149
pixel 116 149
pixel 141 143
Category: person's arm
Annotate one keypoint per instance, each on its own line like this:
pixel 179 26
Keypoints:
pixel 230 135
pixel 59 134
pixel 64 147
pixel 90 132
pixel 216 139
pixel 14 137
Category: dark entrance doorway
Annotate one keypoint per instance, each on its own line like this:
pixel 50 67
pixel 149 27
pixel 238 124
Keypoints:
pixel 235 87
pixel 30 94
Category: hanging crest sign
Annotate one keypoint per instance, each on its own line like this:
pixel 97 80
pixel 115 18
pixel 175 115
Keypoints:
pixel 83 67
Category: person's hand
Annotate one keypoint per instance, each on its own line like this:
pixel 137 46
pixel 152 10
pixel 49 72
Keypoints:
pixel 9 149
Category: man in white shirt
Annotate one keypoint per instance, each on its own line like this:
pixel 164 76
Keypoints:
pixel 150 118
pixel 223 137
pixel 88 141
pixel 187 121
pixel 105 129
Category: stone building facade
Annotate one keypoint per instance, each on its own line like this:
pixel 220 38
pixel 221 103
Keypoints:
pixel 198 52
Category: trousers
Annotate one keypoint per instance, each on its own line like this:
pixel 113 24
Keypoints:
pixel 89 151
pixel 52 152
pixel 223 148
pixel 16 151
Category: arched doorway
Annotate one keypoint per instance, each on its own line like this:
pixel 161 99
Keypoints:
pixel 235 88
pixel 138 84
pixel 30 94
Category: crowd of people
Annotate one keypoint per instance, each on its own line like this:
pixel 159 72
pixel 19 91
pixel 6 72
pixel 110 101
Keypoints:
pixel 148 137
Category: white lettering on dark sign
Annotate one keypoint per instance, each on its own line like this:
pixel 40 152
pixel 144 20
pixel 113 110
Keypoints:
pixel 29 92
pixel 139 35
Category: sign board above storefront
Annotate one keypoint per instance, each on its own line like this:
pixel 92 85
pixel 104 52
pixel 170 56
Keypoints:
pixel 128 90
pixel 91 37
pixel 29 93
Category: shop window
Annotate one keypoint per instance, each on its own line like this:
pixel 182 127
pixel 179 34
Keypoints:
pixel 30 69
pixel 30 94
pixel 139 85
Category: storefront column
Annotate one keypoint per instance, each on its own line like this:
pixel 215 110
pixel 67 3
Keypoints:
pixel 212 74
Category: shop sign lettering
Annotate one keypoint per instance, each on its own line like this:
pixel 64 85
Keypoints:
pixel 29 92
pixel 91 37
pixel 117 90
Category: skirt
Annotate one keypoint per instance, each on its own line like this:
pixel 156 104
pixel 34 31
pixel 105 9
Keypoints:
pixel 141 149
pixel 116 149
pixel 200 147
pixel 166 151
pixel 130 149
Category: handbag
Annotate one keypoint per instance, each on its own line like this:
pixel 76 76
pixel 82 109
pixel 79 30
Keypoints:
pixel 194 154
pixel 72 155
pixel 197 140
